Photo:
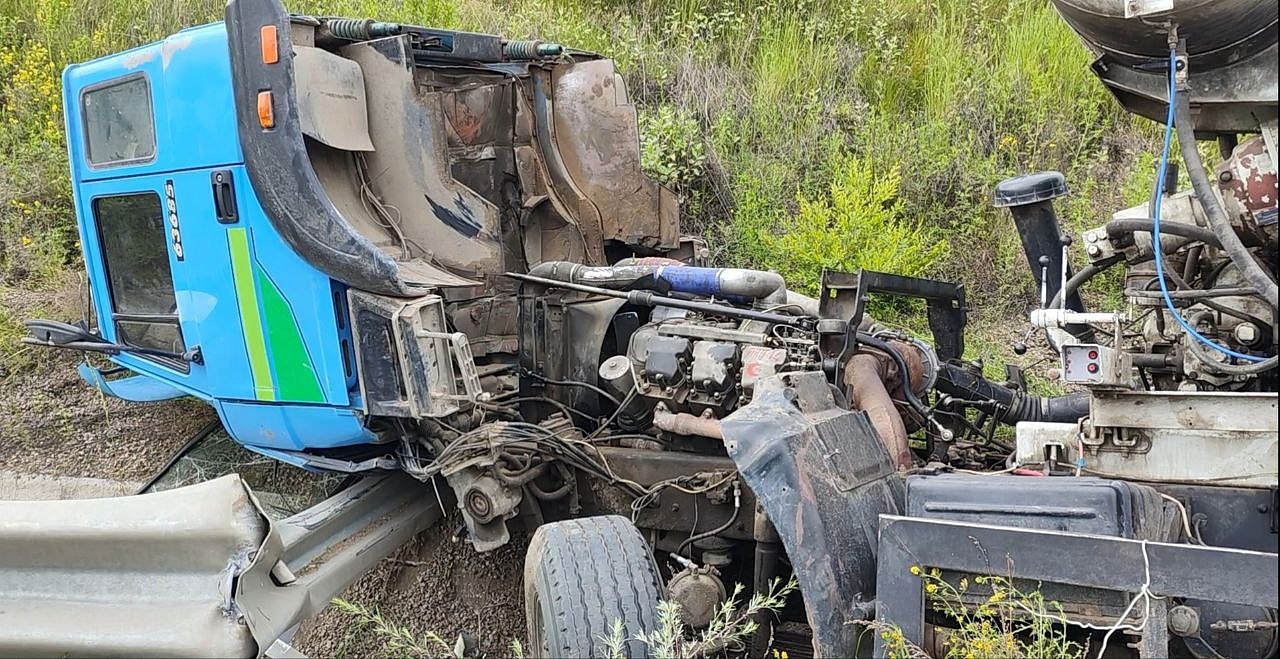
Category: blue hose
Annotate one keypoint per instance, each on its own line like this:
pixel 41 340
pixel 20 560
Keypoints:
pixel 1155 231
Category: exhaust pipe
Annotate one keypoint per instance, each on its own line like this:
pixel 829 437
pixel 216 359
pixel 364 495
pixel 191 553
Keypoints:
pixel 864 378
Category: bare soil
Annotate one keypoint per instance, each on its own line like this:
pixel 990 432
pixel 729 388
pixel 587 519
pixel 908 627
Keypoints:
pixel 51 422
pixel 434 584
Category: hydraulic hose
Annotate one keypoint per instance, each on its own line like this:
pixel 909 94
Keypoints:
pixel 957 381
pixel 1135 224
pixel 1084 275
pixel 1253 273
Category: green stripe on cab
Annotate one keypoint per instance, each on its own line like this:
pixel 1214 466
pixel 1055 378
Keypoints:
pixel 250 321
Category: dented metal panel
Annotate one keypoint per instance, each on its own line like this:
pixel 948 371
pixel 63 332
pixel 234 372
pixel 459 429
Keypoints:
pixel 311 557
pixel 147 575
pixel 598 138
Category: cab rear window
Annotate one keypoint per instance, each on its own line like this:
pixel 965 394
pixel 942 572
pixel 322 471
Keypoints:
pixel 119 126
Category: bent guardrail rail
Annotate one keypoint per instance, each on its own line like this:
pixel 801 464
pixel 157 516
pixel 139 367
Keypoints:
pixel 195 571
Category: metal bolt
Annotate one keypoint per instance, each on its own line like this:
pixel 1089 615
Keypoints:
pixel 1225 177
pixel 1093 250
pixel 1091 237
pixel 1184 621
pixel 1246 333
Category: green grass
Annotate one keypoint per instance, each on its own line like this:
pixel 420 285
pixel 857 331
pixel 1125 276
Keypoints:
pixel 798 133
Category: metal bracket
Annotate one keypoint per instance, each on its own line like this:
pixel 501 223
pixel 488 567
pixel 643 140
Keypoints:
pixel 844 296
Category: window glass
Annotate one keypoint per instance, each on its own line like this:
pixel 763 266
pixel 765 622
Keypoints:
pixel 135 238
pixel 118 123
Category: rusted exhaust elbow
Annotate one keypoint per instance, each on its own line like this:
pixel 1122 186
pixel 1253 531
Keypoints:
pixel 681 423
pixel 864 378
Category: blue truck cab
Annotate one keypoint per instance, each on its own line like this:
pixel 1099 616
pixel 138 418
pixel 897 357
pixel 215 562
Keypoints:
pixel 305 221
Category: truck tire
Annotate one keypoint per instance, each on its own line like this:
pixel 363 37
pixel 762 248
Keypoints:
pixel 582 575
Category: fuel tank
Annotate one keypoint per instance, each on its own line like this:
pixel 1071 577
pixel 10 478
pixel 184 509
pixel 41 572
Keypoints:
pixel 1218 32
pixel 1230 45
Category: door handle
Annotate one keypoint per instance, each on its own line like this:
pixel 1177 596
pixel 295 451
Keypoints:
pixel 224 197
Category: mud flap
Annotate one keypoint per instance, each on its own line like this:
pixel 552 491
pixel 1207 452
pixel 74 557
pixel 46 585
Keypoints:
pixel 824 478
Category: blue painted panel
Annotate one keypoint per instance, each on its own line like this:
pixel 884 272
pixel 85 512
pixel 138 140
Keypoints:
pixel 309 292
pixel 292 427
pixel 190 82
pixel 136 388
pixel 190 78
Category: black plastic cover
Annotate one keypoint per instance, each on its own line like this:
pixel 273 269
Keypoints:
pixel 1030 189
pixel 668 356
pixel 1096 506
pixel 280 170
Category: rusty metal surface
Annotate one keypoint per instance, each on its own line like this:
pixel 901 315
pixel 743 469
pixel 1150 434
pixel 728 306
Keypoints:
pixel 598 138
pixel 1249 183
pixel 146 575
pixel 443 221
pixel 866 380
pixel 1187 410
pixel 823 478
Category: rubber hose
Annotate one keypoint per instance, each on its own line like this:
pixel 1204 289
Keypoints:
pixel 955 380
pixel 1253 273
pixel 1085 274
pixel 1136 224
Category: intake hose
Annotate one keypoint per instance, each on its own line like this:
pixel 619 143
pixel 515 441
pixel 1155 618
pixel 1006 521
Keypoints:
pixel 957 381
pixel 766 288
pixel 1253 273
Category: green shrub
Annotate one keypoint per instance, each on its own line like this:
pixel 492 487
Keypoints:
pixel 857 224
pixel 991 618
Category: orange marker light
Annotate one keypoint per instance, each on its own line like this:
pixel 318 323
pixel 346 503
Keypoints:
pixel 270 45
pixel 266 113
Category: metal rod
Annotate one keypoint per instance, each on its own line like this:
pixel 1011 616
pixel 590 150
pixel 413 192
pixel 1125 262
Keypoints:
pixel 649 299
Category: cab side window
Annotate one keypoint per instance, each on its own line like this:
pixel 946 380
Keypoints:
pixel 119 128
pixel 135 236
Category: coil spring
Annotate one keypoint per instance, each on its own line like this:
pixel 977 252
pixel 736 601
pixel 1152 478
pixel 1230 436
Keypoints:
pixel 520 50
pixel 349 28
pixel 360 29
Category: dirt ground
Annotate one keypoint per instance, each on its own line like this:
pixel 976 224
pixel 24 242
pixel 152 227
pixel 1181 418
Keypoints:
pixel 434 584
pixel 52 423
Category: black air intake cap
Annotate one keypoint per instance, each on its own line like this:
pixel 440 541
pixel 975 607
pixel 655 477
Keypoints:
pixel 1030 189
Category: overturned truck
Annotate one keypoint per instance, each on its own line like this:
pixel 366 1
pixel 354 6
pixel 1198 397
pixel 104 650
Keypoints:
pixel 429 260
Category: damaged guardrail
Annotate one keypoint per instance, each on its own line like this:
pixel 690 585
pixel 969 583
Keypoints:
pixel 195 571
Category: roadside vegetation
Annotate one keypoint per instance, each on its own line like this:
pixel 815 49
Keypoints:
pixel 990 618
pixel 728 634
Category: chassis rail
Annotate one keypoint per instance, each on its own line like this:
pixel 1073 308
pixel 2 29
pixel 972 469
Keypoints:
pixel 1107 563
